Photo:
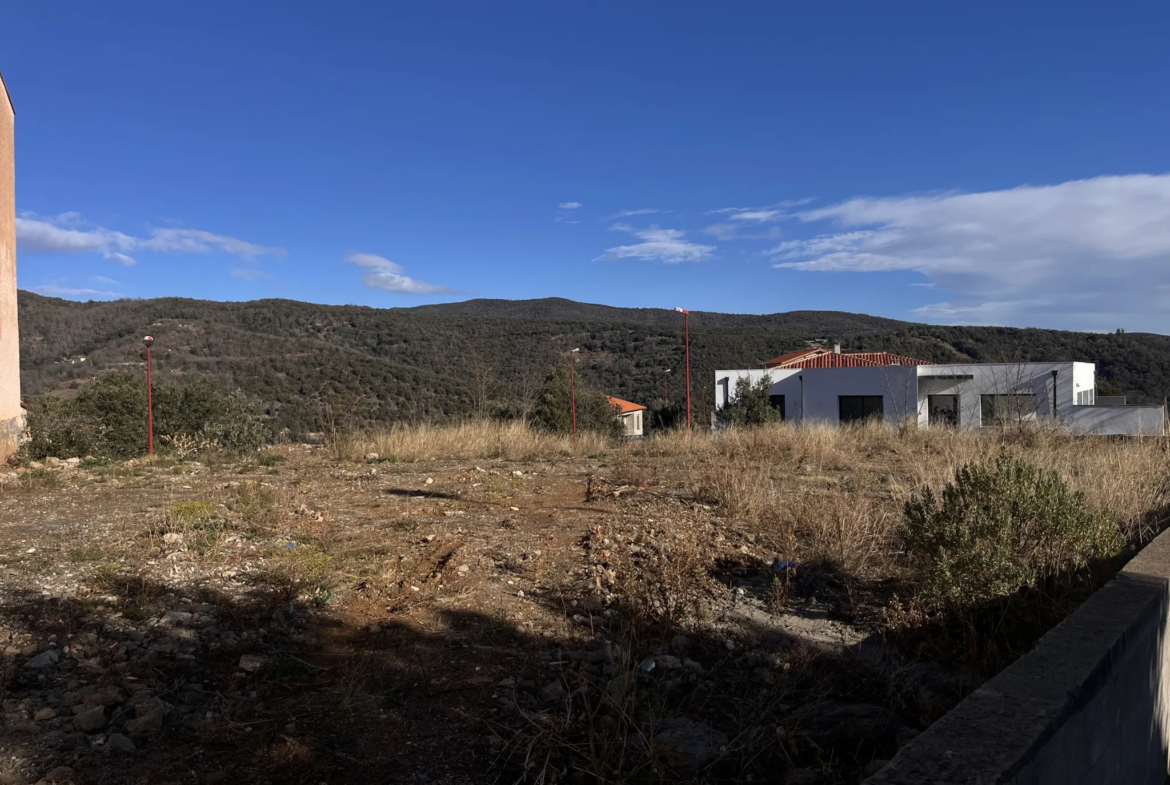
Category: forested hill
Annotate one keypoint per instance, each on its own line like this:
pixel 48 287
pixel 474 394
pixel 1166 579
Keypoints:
pixel 311 362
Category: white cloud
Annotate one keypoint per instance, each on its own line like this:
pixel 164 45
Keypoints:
pixel 731 231
pixel 773 212
pixel 249 274
pixel 53 290
pixel 642 211
pixel 387 275
pixel 757 216
pixel 570 205
pixel 67 233
pixel 667 245
pixel 734 226
pixel 105 280
pixel 1083 254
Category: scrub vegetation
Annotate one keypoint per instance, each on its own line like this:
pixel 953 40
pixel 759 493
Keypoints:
pixel 316 368
pixel 766 603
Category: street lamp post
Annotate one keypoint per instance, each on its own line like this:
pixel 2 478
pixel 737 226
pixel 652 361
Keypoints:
pixel 148 340
pixel 573 395
pixel 687 326
pixel 665 392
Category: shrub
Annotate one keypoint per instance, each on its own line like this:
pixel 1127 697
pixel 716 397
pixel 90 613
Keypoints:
pixel 752 404
pixel 1002 525
pixel 554 409
pixel 238 427
pixel 107 419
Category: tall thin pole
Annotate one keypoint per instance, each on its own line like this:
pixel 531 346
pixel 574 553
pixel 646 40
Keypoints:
pixel 149 406
pixel 573 397
pixel 665 393
pixel 687 327
pixel 687 323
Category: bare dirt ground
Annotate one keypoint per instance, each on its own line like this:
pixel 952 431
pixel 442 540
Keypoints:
pixel 297 619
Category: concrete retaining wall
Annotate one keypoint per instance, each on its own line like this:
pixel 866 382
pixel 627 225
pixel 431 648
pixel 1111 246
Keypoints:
pixel 1088 705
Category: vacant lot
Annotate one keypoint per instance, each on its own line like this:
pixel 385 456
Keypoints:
pixel 484 604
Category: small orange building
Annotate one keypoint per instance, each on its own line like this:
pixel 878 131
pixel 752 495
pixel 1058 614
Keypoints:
pixel 630 414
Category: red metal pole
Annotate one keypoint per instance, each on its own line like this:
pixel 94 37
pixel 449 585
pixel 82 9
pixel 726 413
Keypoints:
pixel 687 323
pixel 573 397
pixel 149 405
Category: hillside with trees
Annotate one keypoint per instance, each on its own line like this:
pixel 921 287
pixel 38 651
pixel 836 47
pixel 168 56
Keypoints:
pixel 317 366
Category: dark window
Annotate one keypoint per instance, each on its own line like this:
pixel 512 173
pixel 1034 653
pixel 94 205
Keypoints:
pixel 944 409
pixel 777 403
pixel 859 407
pixel 1001 409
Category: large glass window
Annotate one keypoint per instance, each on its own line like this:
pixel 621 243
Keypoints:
pixel 853 408
pixel 1003 409
pixel 944 409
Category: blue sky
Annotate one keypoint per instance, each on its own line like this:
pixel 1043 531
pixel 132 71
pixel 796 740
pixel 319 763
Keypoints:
pixel 1001 163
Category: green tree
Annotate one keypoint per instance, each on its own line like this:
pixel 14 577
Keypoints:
pixel 554 410
pixel 108 418
pixel 751 405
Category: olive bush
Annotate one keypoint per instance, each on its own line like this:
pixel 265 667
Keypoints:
pixel 1001 525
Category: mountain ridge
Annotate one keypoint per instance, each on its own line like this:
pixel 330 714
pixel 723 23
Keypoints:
pixel 365 365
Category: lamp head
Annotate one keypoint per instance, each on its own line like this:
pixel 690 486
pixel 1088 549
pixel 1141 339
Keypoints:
pixel 148 340
pixel 682 310
pixel 571 351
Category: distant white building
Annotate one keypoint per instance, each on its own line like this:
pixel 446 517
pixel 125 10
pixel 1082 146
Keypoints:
pixel 630 415
pixel 823 386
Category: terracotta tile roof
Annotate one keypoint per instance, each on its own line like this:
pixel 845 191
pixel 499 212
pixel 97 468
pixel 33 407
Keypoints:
pixel 625 406
pixel 824 358
pixel 790 356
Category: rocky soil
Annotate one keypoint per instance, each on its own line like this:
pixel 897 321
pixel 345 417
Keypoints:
pixel 289 618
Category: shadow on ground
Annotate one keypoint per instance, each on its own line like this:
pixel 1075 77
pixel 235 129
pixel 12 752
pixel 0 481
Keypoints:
pixel 258 687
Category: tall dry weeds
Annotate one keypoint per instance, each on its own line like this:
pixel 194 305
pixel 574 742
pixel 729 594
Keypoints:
pixel 471 440
pixel 838 493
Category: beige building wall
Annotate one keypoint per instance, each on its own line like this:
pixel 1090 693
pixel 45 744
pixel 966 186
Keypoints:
pixel 11 414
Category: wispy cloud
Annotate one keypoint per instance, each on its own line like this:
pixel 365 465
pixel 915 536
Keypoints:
pixel 566 212
pixel 735 231
pixel 387 275
pixel 1082 253
pixel 105 280
pixel 765 214
pixel 642 211
pixel 666 245
pixel 68 233
pixel 749 223
pixel 53 290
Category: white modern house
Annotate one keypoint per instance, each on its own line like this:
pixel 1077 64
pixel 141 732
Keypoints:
pixel 826 386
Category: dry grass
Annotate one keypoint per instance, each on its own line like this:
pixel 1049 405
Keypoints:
pixel 838 493
pixel 473 440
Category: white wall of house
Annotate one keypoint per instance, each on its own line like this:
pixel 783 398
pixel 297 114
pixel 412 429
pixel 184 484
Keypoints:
pixel 725 382
pixel 632 423
pixel 971 381
pixel 813 394
pixel 1084 383
pixel 823 388
pixel 1060 389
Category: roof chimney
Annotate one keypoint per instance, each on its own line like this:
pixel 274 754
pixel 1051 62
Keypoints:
pixel 836 348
